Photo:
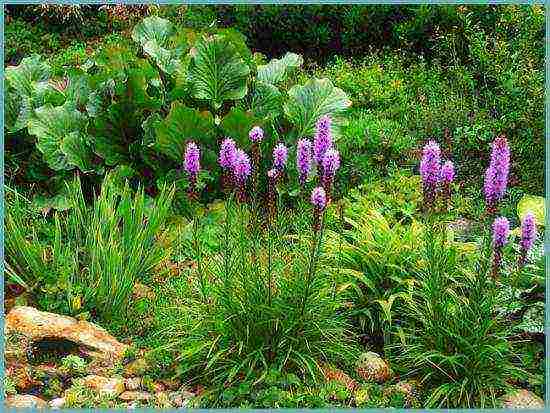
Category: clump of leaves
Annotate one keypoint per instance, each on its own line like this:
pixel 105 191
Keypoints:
pixel 451 337
pixel 95 254
pixel 258 307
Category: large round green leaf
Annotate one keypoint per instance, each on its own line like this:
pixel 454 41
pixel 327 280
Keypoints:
pixel 532 203
pixel 61 137
pixel 27 86
pixel 277 70
pixel 217 72
pixel 153 28
pixel 307 103
pixel 182 125
pixel 237 124
pixel 160 41
pixel 266 100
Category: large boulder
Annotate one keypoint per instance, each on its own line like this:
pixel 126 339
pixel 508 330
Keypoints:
pixel 522 399
pixel 25 401
pixel 38 325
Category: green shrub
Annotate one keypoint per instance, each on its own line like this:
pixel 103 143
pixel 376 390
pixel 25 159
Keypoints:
pixel 121 109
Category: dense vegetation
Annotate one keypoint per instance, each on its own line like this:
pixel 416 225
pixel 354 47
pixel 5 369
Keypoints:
pixel 296 186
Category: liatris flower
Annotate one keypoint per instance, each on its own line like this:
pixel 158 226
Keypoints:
pixel 303 159
pixel 528 235
pixel 323 140
pixel 241 172
pixel 191 164
pixel 272 176
pixel 319 201
pixel 228 151
pixel 256 134
pixel 501 229
pixel 280 155
pixel 496 176
pixel 447 177
pixel 331 163
pixel 430 169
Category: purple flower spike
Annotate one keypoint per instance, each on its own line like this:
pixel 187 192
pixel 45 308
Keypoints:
pixel 430 169
pixel 323 138
pixel 501 229
pixel 496 176
pixel 191 162
pixel 280 155
pixel 319 198
pixel 331 162
pixel 303 159
pixel 241 166
pixel 228 152
pixel 448 172
pixel 256 134
pixel 528 236
pixel 319 201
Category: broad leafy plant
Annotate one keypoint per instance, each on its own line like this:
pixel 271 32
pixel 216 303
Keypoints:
pixel 137 104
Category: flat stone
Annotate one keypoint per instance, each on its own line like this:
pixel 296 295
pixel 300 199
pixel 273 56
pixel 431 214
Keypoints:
pixel 132 383
pixel 38 325
pixel 522 399
pixel 25 401
pixel 130 396
pixel 103 385
pixel 57 403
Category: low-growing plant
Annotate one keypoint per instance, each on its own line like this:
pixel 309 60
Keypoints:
pixel 94 255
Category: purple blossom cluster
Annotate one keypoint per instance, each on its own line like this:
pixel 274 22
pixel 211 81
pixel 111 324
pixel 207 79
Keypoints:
pixel 191 165
pixel 303 159
pixel 280 156
pixel 435 175
pixel 256 134
pixel 528 236
pixel 323 138
pixel 501 231
pixel 319 202
pixel 496 175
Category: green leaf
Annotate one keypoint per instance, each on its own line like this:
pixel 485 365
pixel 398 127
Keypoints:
pixel 309 102
pixel 266 100
pixel 217 72
pixel 153 28
pixel 237 124
pixel 239 41
pixel 26 89
pixel 61 137
pixel 532 203
pixel 181 125
pixel 161 42
pixel 277 70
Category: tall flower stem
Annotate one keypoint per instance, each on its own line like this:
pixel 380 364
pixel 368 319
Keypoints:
pixel 316 239
pixel 198 253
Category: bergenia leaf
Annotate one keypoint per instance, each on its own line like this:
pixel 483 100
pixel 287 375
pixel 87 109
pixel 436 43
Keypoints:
pixel 277 70
pixel 181 125
pixel 61 137
pixel 307 103
pixel 217 72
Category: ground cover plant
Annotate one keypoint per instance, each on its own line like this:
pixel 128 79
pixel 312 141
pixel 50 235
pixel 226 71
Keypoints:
pixel 204 211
